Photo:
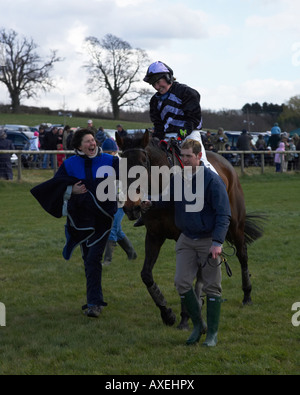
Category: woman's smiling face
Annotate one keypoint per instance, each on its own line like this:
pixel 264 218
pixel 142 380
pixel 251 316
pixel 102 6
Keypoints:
pixel 88 145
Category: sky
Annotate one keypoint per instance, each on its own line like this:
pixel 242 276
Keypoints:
pixel 232 51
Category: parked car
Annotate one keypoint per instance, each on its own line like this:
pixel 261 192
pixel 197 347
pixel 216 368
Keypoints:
pixel 18 128
pixel 233 137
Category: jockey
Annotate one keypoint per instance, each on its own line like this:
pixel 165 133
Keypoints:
pixel 175 107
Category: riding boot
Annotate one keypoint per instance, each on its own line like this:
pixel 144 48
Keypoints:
pixel 109 249
pixel 191 304
pixel 139 222
pixel 128 248
pixel 213 318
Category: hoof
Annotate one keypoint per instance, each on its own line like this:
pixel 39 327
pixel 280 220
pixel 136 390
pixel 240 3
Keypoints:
pixel 168 317
pixel 183 325
pixel 247 301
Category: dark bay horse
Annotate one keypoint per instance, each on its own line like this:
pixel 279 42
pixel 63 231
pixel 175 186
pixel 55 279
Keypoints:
pixel 243 230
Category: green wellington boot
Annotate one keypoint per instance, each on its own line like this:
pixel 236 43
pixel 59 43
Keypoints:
pixel 213 318
pixel 191 304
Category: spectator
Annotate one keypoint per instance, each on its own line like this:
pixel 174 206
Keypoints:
pixel 244 144
pixel 275 129
pixel 296 141
pixel 219 140
pixel 65 136
pixel 101 136
pixel 274 139
pixel 60 157
pixel 6 172
pixel 261 144
pixel 117 235
pixel 90 126
pixel 229 156
pixel 50 144
pixel 207 140
pixel 280 159
pixel 34 145
pixel 60 136
pixel 41 136
pixel 121 131
pixel 291 156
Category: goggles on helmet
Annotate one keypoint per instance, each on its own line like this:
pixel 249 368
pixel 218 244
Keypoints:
pixel 156 71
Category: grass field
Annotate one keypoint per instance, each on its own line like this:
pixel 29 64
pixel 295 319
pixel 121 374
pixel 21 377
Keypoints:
pixel 46 332
pixel 37 119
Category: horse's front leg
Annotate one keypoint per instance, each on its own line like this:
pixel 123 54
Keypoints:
pixel 152 249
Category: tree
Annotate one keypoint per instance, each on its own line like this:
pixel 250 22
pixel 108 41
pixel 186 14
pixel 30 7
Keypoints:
pixel 22 70
pixel 290 116
pixel 116 67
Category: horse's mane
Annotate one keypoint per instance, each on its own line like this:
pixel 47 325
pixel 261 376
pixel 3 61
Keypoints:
pixel 136 140
pixel 133 140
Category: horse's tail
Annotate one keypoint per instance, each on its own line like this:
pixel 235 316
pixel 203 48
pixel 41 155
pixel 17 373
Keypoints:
pixel 254 227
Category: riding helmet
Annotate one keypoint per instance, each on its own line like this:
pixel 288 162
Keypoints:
pixel 158 70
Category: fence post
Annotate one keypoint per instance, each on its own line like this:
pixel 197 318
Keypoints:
pixel 242 162
pixel 19 166
pixel 262 160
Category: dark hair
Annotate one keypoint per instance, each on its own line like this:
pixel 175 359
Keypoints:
pixel 78 136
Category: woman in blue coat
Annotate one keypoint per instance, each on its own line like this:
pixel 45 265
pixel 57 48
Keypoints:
pixel 74 192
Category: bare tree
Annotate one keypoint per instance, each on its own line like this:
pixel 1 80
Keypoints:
pixel 22 70
pixel 116 67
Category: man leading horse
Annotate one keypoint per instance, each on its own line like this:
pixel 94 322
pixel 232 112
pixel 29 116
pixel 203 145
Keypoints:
pixel 176 108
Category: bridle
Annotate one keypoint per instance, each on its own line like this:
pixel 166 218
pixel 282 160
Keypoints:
pixel 148 164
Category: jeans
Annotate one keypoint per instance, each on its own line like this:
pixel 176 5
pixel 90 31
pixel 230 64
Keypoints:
pixel 116 232
pixel 46 161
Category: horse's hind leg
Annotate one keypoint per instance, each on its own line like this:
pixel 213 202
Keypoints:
pixel 241 253
pixel 153 246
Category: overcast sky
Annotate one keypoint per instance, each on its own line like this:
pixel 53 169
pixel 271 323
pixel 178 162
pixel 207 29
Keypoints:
pixel 232 51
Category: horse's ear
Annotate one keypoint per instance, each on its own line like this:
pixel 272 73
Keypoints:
pixel 119 140
pixel 145 140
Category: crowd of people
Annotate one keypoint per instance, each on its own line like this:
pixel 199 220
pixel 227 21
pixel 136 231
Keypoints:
pixel 278 141
pixel 60 139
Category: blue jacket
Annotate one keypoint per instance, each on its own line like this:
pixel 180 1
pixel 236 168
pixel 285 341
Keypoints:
pixel 213 220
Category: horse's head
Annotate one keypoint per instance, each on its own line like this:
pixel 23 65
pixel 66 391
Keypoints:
pixel 133 148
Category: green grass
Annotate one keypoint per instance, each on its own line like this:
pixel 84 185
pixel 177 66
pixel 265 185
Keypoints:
pixel 36 119
pixel 46 332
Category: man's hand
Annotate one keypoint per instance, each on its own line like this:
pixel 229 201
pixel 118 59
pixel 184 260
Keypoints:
pixel 215 251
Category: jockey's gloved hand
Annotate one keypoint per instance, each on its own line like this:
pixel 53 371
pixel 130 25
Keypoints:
pixel 183 133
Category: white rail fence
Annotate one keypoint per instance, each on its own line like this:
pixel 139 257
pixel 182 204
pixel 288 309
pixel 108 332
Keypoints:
pixel 262 155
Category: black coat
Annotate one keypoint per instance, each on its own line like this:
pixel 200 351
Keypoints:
pixel 178 109
pixel 50 141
